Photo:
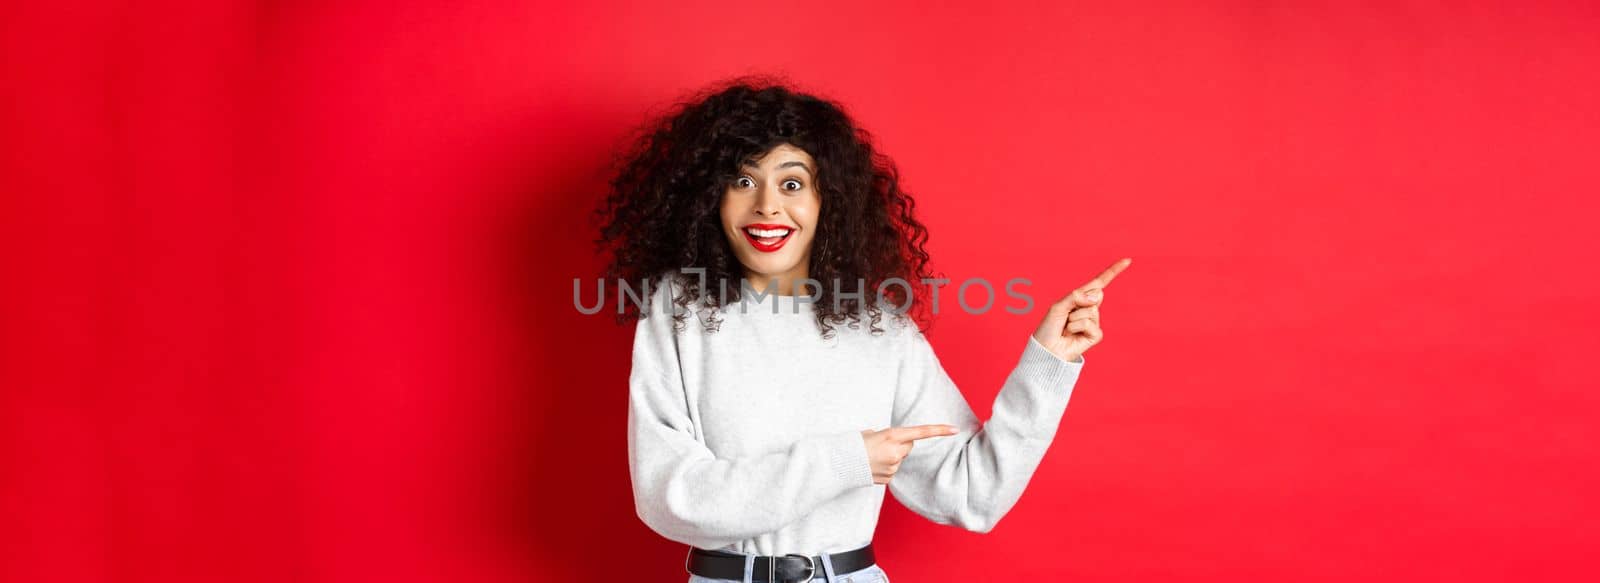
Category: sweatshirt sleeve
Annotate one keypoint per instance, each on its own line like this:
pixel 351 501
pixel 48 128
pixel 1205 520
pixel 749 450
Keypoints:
pixel 687 494
pixel 971 479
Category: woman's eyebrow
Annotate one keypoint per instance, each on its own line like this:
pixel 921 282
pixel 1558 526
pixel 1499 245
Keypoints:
pixel 795 163
pixel 783 165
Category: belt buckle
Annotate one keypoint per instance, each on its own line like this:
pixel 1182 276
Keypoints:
pixel 811 567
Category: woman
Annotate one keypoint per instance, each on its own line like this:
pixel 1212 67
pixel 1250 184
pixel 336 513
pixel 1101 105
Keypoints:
pixel 781 381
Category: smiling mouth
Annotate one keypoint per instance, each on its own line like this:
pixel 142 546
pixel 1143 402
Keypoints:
pixel 767 238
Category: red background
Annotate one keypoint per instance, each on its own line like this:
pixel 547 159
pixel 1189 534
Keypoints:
pixel 286 290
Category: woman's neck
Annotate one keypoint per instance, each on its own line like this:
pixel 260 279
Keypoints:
pixel 783 285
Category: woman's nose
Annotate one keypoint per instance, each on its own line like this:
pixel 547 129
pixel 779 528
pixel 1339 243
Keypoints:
pixel 767 203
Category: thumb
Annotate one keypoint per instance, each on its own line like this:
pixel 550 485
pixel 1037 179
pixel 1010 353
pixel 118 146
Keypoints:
pixel 1085 297
pixel 1079 298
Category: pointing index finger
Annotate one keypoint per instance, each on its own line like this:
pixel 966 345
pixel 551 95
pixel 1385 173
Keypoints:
pixel 925 431
pixel 1105 277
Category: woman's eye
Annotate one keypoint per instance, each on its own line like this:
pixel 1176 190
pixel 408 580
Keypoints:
pixel 745 182
pixel 796 183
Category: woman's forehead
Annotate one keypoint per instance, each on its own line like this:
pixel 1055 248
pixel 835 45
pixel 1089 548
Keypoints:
pixel 782 156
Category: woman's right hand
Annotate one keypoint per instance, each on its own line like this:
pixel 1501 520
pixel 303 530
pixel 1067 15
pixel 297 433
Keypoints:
pixel 886 447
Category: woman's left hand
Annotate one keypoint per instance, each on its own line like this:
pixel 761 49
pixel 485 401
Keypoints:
pixel 1073 324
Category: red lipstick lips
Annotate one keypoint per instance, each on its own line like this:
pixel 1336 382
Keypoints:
pixel 767 237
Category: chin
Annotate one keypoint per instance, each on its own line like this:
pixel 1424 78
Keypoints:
pixel 770 267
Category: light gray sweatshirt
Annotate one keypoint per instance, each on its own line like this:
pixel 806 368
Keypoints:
pixel 748 439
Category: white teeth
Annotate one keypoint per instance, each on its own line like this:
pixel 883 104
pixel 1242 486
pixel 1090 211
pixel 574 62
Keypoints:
pixel 764 233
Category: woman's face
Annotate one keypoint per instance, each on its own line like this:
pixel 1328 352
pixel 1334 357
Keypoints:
pixel 769 215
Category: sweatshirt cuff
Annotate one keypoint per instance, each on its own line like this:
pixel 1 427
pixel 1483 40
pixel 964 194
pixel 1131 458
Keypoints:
pixel 848 459
pixel 1039 363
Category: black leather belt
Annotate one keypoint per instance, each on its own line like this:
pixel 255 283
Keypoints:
pixel 770 569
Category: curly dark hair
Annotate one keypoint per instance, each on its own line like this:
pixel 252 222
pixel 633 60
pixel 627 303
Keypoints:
pixel 661 213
